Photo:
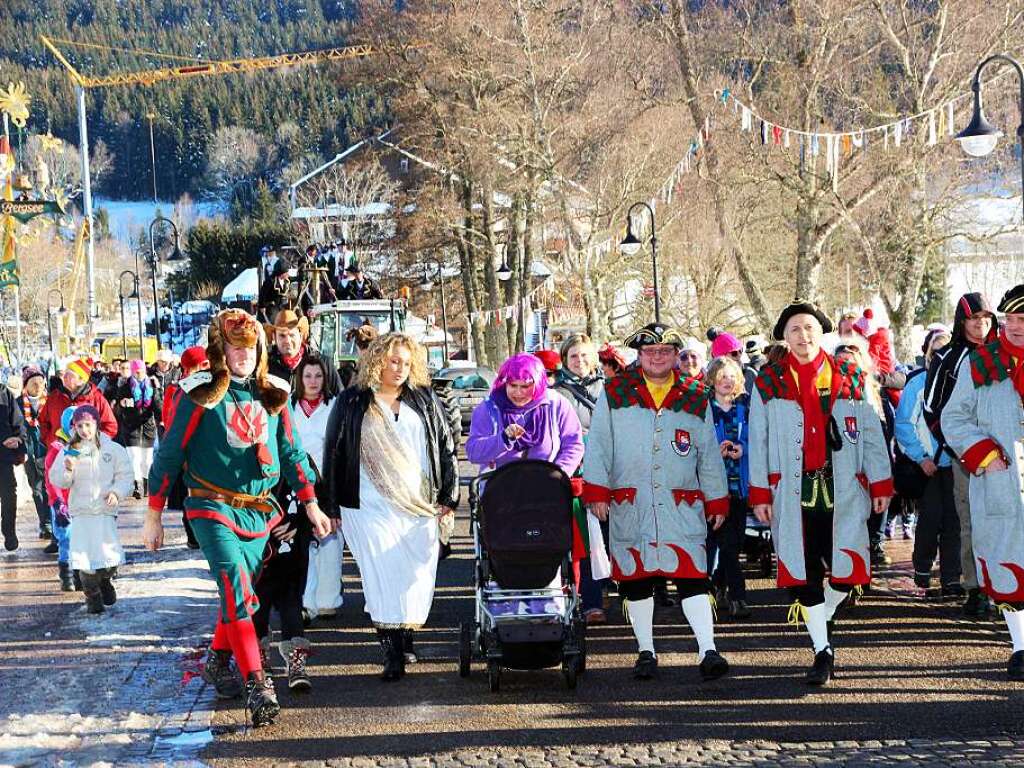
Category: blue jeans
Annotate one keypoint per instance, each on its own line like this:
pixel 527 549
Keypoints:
pixel 62 535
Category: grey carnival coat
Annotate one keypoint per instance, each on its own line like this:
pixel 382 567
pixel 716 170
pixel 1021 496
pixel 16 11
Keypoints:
pixel 860 469
pixel 662 473
pixel 984 415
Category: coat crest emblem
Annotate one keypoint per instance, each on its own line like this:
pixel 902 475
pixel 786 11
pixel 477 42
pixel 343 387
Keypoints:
pixel 681 443
pixel 851 431
pixel 247 424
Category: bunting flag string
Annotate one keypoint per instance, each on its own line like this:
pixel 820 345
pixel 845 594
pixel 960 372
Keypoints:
pixel 511 312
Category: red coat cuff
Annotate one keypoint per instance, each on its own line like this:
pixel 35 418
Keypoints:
pixel 882 489
pixel 716 507
pixel 306 493
pixel 594 493
pixel 759 496
pixel 973 456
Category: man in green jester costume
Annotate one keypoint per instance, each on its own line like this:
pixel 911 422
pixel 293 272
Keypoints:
pixel 231 435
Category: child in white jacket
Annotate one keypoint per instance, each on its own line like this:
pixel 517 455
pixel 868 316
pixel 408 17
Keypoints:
pixel 98 474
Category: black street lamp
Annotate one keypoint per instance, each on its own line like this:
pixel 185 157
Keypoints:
pixel 154 261
pixel 504 274
pixel 427 285
pixel 121 297
pixel 631 245
pixel 980 137
pixel 62 312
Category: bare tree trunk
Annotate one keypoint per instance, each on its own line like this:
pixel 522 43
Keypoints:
pixel 496 338
pixel 470 273
pixel 685 58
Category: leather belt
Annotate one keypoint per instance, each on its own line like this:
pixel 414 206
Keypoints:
pixel 264 502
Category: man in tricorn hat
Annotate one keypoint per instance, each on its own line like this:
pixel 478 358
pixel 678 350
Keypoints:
pixel 231 434
pixel 983 422
pixel 654 470
pixel 819 466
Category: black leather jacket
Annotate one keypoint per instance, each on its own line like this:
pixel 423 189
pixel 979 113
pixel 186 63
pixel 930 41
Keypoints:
pixel 341 448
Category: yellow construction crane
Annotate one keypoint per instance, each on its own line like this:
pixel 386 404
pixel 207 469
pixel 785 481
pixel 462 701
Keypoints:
pixel 190 67
pixel 197 67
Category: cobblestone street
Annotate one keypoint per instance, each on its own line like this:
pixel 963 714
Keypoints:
pixel 917 684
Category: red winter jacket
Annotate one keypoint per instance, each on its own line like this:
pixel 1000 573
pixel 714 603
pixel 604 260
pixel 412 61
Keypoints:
pixel 59 399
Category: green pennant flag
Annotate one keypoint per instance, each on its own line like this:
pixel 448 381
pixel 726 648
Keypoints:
pixel 9 273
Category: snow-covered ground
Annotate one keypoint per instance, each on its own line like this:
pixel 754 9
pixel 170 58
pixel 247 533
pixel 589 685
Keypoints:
pixel 120 688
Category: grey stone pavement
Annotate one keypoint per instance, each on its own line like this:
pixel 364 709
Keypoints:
pixel 918 684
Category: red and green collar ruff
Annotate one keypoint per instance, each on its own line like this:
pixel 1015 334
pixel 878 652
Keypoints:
pixel 775 381
pixel 629 390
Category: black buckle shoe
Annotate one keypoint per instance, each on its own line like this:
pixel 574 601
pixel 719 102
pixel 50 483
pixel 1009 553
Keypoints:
pixel 738 609
pixel 261 701
pixel 923 580
pixel 1015 669
pixel 219 672
pixel 646 666
pixel 713 666
pixel 977 605
pixel 822 670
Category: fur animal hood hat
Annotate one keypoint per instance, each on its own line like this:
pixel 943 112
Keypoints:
pixel 239 329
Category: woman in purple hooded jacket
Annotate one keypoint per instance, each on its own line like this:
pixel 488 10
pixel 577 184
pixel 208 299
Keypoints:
pixel 523 419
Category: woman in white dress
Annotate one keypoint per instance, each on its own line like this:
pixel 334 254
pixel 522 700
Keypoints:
pixel 392 475
pixel 311 400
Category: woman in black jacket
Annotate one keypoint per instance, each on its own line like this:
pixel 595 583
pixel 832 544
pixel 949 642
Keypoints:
pixel 390 467
pixel 137 407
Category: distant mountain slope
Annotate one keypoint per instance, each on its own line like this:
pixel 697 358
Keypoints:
pixel 328 114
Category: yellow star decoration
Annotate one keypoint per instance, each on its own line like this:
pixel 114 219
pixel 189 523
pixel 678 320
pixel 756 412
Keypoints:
pixel 49 142
pixel 15 102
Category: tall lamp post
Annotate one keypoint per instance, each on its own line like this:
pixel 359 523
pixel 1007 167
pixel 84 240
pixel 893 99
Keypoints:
pixel 427 285
pixel 631 245
pixel 980 137
pixel 154 261
pixel 121 297
pixel 62 312
pixel 504 274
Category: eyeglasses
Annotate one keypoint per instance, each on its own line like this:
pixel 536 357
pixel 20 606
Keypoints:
pixel 688 356
pixel 736 354
pixel 657 351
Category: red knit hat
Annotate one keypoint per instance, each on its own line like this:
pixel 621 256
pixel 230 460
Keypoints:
pixel 82 368
pixel 865 324
pixel 193 357
pixel 550 358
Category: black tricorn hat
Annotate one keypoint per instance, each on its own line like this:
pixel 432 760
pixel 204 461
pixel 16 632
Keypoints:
pixel 654 333
pixel 800 307
pixel 1013 301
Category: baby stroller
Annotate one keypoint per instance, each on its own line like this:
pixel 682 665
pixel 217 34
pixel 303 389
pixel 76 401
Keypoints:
pixel 527 610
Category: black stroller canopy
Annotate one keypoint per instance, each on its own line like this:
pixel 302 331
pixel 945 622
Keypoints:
pixel 525 518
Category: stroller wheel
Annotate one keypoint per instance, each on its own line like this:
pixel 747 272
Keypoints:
pixel 465 648
pixel 581 643
pixel 570 668
pixel 494 676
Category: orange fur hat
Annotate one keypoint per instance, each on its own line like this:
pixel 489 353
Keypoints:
pixel 239 329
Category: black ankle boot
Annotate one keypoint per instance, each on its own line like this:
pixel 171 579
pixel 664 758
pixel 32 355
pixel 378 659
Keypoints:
pixel 408 651
pixel 394 657
pixel 76 580
pixel 64 571
pixel 107 590
pixel 93 595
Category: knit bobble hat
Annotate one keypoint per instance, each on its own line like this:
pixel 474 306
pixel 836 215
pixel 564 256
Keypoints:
pixel 550 358
pixel 725 343
pixel 65 420
pixel 30 372
pixel 84 412
pixel 193 357
pixel 865 324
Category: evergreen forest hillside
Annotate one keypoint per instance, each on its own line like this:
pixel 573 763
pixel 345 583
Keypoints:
pixel 299 115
